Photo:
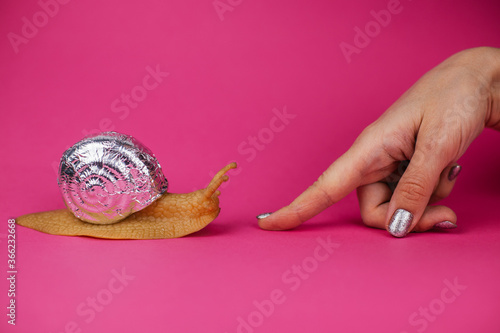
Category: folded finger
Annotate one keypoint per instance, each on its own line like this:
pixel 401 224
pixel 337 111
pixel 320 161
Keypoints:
pixel 374 204
pixel 446 183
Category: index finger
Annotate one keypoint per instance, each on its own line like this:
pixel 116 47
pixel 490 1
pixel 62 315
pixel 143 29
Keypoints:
pixel 341 178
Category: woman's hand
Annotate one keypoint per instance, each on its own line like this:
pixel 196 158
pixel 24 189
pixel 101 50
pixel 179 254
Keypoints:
pixel 431 126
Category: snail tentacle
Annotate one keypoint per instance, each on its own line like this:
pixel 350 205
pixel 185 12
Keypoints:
pixel 218 179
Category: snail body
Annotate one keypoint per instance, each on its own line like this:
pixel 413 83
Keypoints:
pixel 167 215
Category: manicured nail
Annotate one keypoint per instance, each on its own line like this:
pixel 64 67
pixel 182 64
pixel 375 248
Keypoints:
pixel 454 172
pixel 400 223
pixel 263 216
pixel 445 225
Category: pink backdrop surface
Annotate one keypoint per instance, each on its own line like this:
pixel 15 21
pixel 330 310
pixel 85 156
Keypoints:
pixel 224 71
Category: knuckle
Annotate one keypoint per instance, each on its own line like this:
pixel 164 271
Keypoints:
pixel 319 187
pixel 369 220
pixel 369 217
pixel 441 192
pixel 398 145
pixel 298 213
pixel 413 188
pixel 321 180
pixel 435 198
pixel 439 195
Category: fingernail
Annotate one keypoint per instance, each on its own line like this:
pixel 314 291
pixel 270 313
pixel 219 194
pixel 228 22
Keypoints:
pixel 400 223
pixel 263 216
pixel 445 225
pixel 454 172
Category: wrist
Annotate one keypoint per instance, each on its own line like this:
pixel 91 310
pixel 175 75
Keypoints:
pixel 484 62
pixel 494 119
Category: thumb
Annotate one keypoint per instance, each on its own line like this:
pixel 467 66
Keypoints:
pixel 414 189
pixel 342 177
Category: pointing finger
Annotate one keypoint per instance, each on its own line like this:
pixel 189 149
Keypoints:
pixel 342 177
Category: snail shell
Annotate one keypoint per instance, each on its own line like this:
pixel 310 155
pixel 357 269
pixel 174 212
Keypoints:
pixel 114 188
pixel 106 177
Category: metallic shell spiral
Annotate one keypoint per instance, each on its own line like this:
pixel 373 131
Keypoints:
pixel 106 177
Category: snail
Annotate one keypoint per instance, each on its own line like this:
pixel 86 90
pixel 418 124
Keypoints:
pixel 114 187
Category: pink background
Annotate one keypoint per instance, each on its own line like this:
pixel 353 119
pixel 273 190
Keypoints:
pixel 226 75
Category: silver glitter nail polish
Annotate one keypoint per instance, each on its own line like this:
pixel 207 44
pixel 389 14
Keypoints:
pixel 400 223
pixel 263 216
pixel 445 225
